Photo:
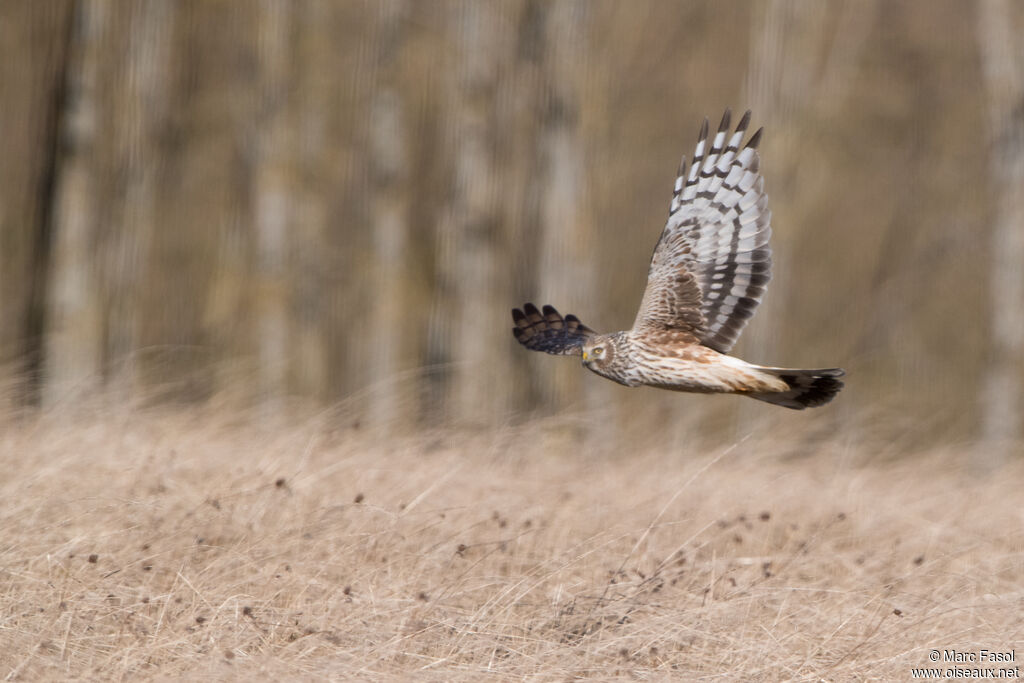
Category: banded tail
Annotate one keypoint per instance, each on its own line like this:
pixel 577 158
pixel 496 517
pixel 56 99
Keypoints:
pixel 807 388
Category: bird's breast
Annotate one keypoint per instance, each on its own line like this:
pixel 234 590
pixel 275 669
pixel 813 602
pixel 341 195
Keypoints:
pixel 694 368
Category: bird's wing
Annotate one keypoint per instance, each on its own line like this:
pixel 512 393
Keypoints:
pixel 548 331
pixel 712 263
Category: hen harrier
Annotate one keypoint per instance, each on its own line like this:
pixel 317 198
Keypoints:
pixel 708 273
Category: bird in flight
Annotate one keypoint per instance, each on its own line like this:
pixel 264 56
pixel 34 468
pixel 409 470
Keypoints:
pixel 707 276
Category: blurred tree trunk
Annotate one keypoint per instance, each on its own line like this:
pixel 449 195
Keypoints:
pixel 335 195
pixel 1002 59
pixel 35 44
pixel 139 110
pixel 201 182
pixel 389 205
pixel 312 185
pixel 523 187
pixel 567 250
pixel 468 327
pixel 271 194
pixel 74 310
pixel 782 77
pixel 105 196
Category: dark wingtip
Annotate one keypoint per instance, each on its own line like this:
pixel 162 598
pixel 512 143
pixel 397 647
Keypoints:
pixel 744 122
pixel 549 332
pixel 726 120
pixel 703 131
pixel 756 140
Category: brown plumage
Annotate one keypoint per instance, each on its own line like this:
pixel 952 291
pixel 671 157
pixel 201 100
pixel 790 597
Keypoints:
pixel 708 273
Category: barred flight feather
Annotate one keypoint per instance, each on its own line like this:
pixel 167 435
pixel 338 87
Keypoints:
pixel 718 230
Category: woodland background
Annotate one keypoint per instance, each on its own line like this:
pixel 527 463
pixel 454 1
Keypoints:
pixel 341 201
pixel 262 416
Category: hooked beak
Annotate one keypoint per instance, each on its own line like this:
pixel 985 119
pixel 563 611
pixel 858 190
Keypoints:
pixel 586 357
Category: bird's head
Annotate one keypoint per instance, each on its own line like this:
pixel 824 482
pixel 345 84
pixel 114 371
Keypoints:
pixel 598 351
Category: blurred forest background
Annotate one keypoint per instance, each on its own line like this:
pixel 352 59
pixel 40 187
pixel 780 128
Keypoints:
pixel 341 201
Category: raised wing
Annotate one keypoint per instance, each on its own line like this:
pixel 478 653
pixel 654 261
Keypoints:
pixel 549 332
pixel 712 263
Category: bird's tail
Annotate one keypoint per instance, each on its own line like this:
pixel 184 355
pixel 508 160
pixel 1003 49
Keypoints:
pixel 807 388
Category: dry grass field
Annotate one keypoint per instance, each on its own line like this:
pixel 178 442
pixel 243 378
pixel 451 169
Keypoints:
pixel 141 545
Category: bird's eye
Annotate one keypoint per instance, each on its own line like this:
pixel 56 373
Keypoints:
pixel 598 350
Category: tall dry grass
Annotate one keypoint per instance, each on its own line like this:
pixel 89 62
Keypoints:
pixel 140 544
